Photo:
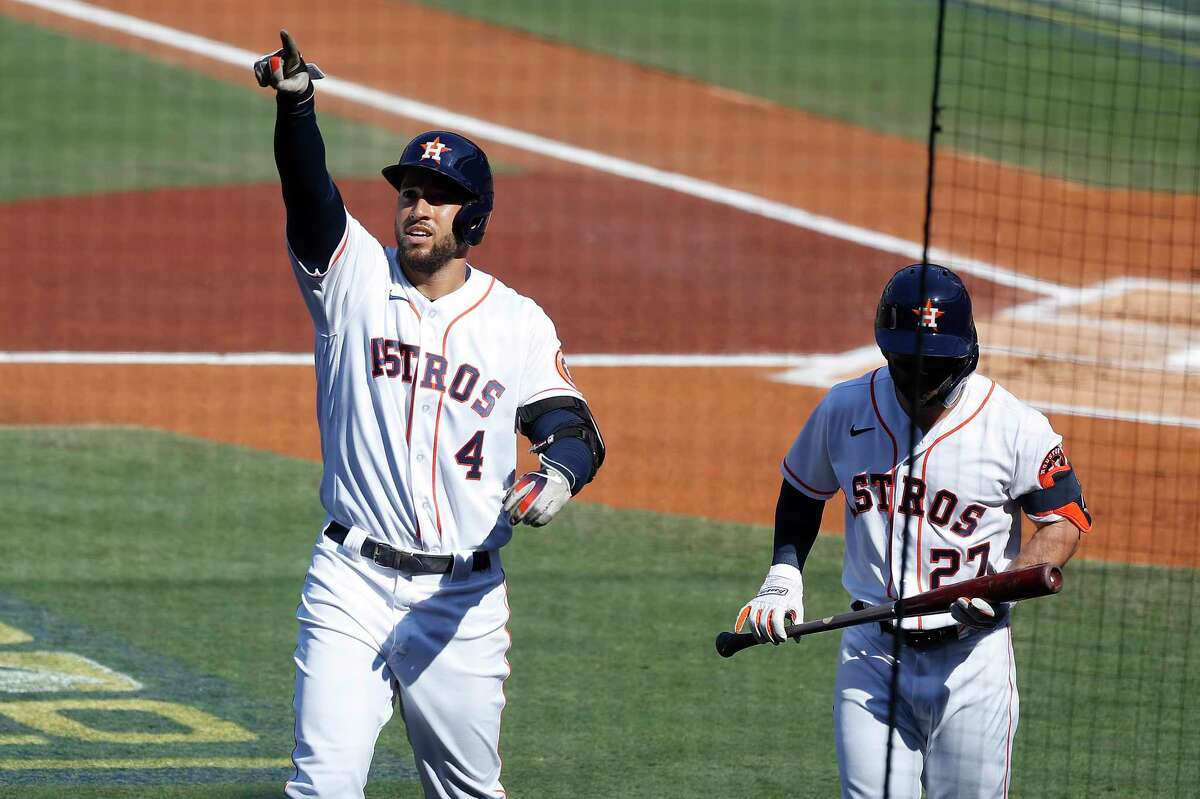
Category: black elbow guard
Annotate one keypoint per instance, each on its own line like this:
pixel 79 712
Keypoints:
pixel 587 430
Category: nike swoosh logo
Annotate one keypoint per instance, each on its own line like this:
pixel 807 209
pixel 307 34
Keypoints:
pixel 859 430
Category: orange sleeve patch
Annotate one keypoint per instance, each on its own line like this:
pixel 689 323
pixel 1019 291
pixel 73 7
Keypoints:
pixel 1057 468
pixel 1054 463
pixel 561 363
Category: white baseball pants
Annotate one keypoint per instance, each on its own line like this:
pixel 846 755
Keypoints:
pixel 955 718
pixel 436 643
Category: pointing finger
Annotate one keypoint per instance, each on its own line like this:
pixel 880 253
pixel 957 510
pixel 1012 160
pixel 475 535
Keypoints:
pixel 289 44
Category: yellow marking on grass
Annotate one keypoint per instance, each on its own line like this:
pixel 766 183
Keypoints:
pixel 45 763
pixel 47 717
pixel 11 635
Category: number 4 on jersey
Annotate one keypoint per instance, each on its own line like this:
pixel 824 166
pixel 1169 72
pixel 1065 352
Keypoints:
pixel 471 456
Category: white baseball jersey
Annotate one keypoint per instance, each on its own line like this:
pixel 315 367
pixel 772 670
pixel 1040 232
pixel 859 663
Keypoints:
pixel 958 492
pixel 417 403
pixel 417 399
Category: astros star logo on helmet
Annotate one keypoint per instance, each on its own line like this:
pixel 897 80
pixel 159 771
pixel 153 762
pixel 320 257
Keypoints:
pixel 928 314
pixel 434 149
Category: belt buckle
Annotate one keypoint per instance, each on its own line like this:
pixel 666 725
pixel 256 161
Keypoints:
pixel 384 555
pixel 928 639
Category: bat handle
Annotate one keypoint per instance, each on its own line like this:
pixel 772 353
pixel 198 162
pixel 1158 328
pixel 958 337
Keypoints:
pixel 729 644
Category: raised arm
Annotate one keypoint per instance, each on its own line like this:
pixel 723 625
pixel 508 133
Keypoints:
pixel 316 215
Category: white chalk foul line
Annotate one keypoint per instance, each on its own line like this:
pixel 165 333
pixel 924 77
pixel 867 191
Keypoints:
pixel 160 358
pixel 813 370
pixel 665 360
pixel 522 140
pixel 1112 414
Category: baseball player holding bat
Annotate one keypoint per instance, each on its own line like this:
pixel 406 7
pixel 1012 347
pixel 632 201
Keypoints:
pixel 426 368
pixel 1029 582
pixel 947 511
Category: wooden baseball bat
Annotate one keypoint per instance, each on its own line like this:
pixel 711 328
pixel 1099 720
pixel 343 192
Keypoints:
pixel 1027 583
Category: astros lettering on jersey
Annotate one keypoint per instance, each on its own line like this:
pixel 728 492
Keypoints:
pixel 417 399
pixel 958 491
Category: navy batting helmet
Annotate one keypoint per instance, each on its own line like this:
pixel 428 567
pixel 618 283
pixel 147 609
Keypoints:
pixel 925 314
pixel 463 162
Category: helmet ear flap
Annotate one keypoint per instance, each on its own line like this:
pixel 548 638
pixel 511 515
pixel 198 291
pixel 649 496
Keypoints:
pixel 471 222
pixel 885 316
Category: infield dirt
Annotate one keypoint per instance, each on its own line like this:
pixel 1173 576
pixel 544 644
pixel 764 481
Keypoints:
pixel 203 270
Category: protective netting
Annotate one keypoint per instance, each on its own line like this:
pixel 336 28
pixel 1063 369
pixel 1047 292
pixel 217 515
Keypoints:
pixel 1066 175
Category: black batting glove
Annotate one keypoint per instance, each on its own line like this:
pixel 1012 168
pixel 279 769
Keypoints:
pixel 285 69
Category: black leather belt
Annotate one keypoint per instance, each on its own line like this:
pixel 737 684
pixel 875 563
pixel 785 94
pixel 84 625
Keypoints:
pixel 411 562
pixel 915 639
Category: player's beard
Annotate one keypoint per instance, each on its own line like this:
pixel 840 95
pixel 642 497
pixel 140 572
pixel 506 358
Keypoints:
pixel 427 263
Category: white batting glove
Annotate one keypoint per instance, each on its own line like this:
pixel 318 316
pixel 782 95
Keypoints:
pixel 780 599
pixel 285 69
pixel 537 497
pixel 978 614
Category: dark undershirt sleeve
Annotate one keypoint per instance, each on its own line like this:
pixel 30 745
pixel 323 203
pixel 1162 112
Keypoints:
pixel 571 455
pixel 316 216
pixel 797 522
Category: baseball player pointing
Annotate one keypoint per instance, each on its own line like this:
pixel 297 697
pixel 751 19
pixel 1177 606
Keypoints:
pixel 981 460
pixel 425 367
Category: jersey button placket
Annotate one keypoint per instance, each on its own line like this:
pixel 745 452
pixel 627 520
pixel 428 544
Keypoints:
pixel 424 425
pixel 906 553
pixel 896 532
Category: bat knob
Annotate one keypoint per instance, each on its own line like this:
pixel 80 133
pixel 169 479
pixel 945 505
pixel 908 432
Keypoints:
pixel 1054 579
pixel 729 644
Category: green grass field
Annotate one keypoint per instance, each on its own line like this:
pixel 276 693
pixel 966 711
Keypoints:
pixel 122 121
pixel 178 562
pixel 1064 99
